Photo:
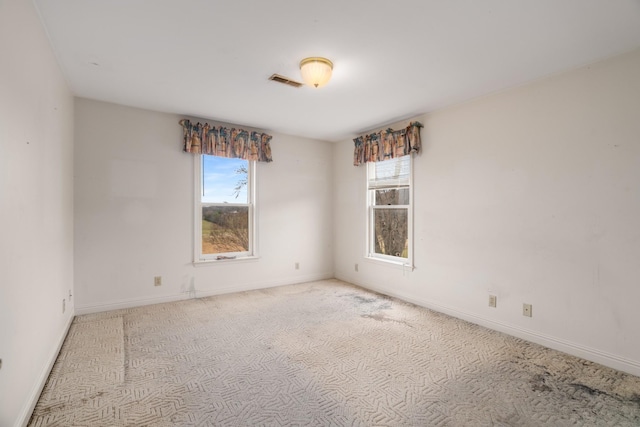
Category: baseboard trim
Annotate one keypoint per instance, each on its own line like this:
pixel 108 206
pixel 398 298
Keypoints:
pixel 607 359
pixel 127 303
pixel 197 293
pixel 262 285
pixel 32 401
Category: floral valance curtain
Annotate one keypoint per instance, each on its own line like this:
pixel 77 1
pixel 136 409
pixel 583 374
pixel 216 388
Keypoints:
pixel 224 142
pixel 387 144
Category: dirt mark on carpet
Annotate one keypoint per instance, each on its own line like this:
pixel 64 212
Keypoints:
pixel 539 383
pixel 381 317
pixel 368 304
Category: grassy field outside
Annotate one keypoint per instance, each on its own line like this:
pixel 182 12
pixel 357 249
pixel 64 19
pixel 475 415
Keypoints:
pixel 217 239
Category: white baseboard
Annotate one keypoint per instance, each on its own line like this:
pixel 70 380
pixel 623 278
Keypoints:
pixel 611 360
pixel 127 303
pixel 262 285
pixel 32 401
pixel 197 293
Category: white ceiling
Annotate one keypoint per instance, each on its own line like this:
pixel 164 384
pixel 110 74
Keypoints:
pixel 392 59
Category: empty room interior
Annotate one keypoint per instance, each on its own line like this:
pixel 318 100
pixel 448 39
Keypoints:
pixel 429 216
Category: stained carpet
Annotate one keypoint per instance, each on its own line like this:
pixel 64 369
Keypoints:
pixel 323 354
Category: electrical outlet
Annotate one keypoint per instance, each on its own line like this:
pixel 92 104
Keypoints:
pixel 527 310
pixel 493 301
pixel 297 266
pixel 64 305
pixel 356 267
pixel 157 281
pixel 70 295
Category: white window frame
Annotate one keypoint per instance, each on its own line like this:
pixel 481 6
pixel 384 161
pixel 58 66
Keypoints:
pixel 371 207
pixel 252 253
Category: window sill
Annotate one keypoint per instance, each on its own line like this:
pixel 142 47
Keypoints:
pixel 405 266
pixel 209 262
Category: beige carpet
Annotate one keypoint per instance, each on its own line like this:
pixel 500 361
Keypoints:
pixel 322 354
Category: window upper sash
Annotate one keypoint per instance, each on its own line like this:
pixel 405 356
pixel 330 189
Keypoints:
pixel 392 173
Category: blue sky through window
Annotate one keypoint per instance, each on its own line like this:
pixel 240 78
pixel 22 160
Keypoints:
pixel 220 178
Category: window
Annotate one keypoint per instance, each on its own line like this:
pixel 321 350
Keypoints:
pixel 225 208
pixel 389 196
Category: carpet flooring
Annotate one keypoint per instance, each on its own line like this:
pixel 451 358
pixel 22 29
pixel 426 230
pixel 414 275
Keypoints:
pixel 324 354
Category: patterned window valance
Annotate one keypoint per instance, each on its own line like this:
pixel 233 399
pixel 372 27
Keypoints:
pixel 387 144
pixel 224 142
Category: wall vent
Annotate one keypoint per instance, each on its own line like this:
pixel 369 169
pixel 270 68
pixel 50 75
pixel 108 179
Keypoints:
pixel 285 81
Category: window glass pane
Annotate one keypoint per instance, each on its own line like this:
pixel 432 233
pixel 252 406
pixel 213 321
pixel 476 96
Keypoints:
pixel 225 229
pixel 390 173
pixel 224 180
pixel 397 196
pixel 390 232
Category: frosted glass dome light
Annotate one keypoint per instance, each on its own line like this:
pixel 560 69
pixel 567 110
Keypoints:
pixel 316 71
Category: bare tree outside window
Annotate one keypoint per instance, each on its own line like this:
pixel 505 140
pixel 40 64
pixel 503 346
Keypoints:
pixel 391 225
pixel 389 188
pixel 243 171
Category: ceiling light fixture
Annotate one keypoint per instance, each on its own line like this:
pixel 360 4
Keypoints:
pixel 316 71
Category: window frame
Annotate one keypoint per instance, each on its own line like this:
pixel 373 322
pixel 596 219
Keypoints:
pixel 252 253
pixel 370 252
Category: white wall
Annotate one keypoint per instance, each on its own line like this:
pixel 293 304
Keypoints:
pixel 134 212
pixel 36 209
pixel 533 193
